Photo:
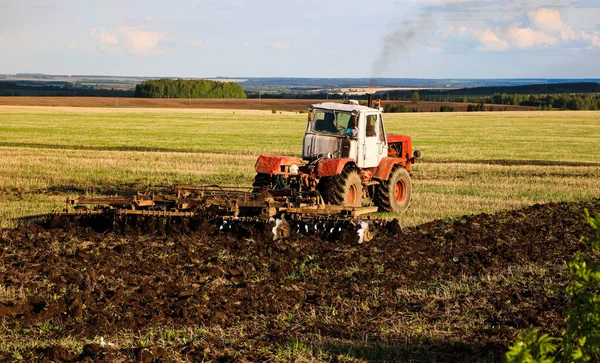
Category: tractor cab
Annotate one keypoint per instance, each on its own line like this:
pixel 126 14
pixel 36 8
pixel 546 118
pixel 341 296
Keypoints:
pixel 349 130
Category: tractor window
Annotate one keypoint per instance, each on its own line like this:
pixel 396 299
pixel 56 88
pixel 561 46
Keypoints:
pixel 381 132
pixel 330 122
pixel 371 129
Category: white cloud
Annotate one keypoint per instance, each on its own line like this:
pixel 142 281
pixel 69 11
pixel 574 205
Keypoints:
pixel 489 41
pixel 281 45
pixel 550 20
pixel 546 28
pixel 137 40
pixel 142 42
pixel 527 38
pixel 104 36
pixel 594 39
pixel 546 19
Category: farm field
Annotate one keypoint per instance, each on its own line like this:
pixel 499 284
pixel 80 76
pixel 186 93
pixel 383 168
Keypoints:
pixel 472 162
pixel 219 103
pixel 496 213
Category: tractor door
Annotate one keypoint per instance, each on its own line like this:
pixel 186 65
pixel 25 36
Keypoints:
pixel 374 145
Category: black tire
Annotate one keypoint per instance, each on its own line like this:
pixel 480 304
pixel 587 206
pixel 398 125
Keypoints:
pixel 261 182
pixel 394 194
pixel 343 189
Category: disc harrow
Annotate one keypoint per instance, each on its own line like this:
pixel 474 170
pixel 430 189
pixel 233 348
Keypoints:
pixel 240 210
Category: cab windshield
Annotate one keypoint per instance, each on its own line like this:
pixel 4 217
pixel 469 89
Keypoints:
pixel 331 122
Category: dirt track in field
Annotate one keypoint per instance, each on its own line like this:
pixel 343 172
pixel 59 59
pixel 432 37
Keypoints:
pixel 218 103
pixel 442 291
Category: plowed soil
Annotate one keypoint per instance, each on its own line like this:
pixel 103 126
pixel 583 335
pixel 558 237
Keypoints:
pixel 443 291
pixel 215 103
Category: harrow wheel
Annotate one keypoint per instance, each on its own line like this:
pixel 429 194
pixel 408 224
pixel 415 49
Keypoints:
pixel 393 195
pixel 343 189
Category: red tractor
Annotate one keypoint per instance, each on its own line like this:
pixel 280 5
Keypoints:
pixel 347 158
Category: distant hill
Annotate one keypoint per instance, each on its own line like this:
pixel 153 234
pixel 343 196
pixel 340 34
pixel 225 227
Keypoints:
pixel 265 83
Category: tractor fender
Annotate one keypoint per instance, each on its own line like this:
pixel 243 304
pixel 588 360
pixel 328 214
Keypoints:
pixel 275 164
pixel 331 167
pixel 385 167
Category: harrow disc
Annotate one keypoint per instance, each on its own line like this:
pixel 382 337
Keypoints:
pixel 281 228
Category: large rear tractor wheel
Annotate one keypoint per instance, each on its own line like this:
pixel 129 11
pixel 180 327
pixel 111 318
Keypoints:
pixel 393 195
pixel 343 189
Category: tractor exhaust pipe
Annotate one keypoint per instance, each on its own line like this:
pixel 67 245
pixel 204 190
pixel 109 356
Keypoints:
pixel 369 100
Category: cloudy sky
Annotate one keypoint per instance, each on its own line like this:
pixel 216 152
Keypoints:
pixel 308 38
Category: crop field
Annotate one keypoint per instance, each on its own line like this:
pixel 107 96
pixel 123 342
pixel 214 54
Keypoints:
pixel 496 213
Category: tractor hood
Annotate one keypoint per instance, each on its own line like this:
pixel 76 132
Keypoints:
pixel 397 138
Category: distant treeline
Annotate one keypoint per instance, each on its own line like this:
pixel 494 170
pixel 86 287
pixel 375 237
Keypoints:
pixel 570 96
pixel 188 88
pixel 548 102
pixel 457 95
pixel 58 89
pixel 557 88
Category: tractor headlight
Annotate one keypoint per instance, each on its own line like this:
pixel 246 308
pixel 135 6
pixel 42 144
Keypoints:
pixel 294 169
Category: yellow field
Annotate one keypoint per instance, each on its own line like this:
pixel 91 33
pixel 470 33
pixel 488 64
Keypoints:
pixel 472 162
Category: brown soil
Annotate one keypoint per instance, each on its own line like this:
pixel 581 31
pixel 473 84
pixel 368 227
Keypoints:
pixel 383 299
pixel 218 103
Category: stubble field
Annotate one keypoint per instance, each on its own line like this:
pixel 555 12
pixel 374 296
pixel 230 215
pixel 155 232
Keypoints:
pixel 448 287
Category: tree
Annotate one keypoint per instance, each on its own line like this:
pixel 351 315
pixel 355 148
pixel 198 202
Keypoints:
pixel 188 88
pixel 415 98
pixel 515 99
pixel 497 99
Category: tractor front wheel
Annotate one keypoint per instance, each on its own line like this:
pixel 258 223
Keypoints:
pixel 343 189
pixel 393 195
pixel 261 182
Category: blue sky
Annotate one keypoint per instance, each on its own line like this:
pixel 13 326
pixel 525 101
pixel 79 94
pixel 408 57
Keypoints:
pixel 292 38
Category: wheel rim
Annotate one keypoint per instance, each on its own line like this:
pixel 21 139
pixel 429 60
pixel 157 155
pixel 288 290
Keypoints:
pixel 400 191
pixel 352 195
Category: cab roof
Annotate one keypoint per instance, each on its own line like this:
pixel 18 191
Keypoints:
pixel 347 107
